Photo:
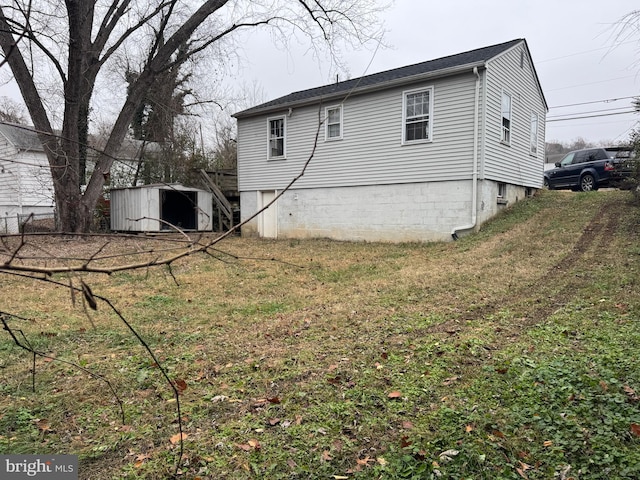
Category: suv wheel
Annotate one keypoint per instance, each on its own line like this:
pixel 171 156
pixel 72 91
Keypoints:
pixel 587 183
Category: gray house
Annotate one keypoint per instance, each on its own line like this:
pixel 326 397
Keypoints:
pixel 424 152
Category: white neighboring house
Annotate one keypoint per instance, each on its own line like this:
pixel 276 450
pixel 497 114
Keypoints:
pixel 424 152
pixel 25 179
pixel 26 186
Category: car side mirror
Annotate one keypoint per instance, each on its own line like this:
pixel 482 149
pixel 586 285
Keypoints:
pixel 558 164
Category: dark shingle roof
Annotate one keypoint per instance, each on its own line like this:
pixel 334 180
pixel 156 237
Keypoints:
pixel 472 57
pixel 21 136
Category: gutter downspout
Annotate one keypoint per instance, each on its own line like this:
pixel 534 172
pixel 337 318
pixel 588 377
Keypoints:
pixel 474 177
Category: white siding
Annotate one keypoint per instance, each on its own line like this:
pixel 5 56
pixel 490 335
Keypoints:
pixel 513 164
pixel 25 185
pixel 370 152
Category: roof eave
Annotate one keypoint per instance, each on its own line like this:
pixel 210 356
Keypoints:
pixel 446 72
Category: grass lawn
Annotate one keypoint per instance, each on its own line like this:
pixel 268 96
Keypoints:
pixel 509 354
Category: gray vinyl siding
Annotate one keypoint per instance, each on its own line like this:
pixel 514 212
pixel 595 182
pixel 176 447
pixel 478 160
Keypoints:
pixel 371 150
pixel 513 163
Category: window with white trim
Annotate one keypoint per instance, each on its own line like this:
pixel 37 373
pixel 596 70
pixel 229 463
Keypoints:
pixel 417 110
pixel 534 133
pixel 506 118
pixel 333 119
pixel 276 146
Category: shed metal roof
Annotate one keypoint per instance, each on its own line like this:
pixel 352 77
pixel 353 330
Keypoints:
pixel 440 66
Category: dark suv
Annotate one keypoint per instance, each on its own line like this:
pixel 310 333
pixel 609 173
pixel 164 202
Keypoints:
pixel 585 170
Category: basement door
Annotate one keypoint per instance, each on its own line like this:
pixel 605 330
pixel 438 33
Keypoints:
pixel 269 218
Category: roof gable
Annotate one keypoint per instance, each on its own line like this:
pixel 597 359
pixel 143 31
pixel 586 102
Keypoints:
pixel 22 137
pixel 386 78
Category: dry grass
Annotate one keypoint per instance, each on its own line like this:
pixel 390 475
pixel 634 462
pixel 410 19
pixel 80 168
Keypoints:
pixel 294 345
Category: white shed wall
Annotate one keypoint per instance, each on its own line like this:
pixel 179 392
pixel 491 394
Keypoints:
pixel 138 209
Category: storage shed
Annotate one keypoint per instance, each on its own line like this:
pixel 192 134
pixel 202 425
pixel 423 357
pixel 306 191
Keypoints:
pixel 160 208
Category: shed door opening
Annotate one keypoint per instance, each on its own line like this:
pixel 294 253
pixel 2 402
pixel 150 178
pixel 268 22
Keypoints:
pixel 179 209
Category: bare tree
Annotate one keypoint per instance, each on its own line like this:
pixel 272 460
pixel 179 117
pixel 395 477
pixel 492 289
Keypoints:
pixel 77 44
pixel 11 111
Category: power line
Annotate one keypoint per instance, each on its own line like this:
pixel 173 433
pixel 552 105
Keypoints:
pixel 606 110
pixel 591 83
pixel 585 52
pixel 608 100
pixel 590 116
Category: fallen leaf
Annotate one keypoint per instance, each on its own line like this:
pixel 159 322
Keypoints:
pixel 176 438
pixel 43 424
pixel 635 429
pixel 405 442
pixel 450 380
pixel 468 428
pixel 181 385
pixel 604 385
pixel 524 466
pixel 395 394
pixel 381 461
pixel 407 425
pixel 448 455
pixel 364 461
pixel 326 456
pixel 548 443
pixel 274 400
pixel 631 393
pixel 255 444
pixel 498 434
pixel 274 421
pixel 521 473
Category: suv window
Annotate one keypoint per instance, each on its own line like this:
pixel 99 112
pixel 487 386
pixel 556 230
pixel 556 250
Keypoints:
pixel 580 157
pixel 590 155
pixel 567 159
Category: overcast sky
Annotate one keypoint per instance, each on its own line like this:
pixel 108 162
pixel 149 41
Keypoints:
pixel 575 47
pixel 572 42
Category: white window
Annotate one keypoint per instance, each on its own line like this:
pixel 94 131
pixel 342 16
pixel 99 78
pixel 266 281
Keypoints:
pixel 502 191
pixel 333 120
pixel 506 118
pixel 534 133
pixel 277 145
pixel 417 111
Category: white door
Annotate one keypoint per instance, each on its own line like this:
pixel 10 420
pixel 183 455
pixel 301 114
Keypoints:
pixel 269 218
